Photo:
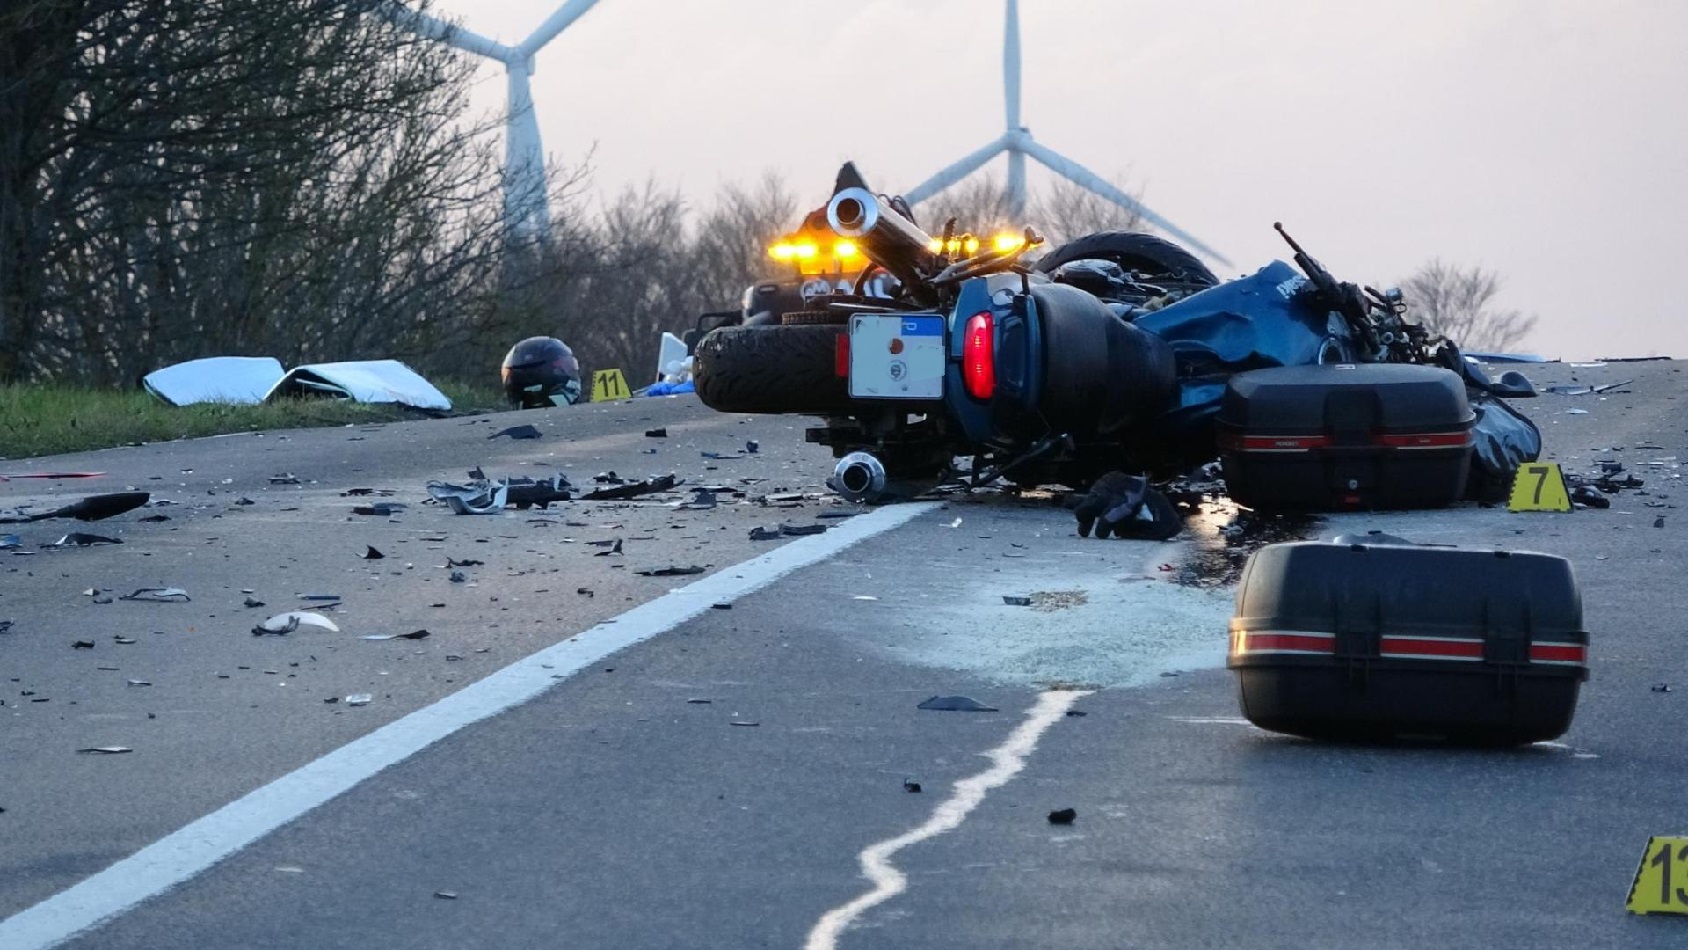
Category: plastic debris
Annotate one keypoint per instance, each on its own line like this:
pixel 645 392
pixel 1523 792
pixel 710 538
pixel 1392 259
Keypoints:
pixel 723 456
pixel 359 699
pixel 82 645
pixel 106 750
pixel 458 577
pixel 626 490
pixel 669 570
pixel 6 625
pixel 446 895
pixel 412 635
pixel 1661 687
pixel 92 508
pixel 956 704
pixel 1016 600
pixel 10 541
pixel 752 447
pixel 285 478
pixel 371 554
pixel 517 432
pixel 77 539
pixel 465 562
pixel 910 786
pixel 158 595
pixel 139 683
pixel 764 534
pixel 802 530
pixel 702 500
pixel 612 546
pixel 126 641
pixel 381 509
pixel 745 722
pixel 282 624
pixel 656 433
pixel 251 601
pixel 1063 816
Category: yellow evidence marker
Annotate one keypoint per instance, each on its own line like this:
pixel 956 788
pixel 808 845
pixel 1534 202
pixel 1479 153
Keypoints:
pixel 1661 882
pixel 1539 486
pixel 609 384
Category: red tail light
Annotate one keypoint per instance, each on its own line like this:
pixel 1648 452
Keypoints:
pixel 978 356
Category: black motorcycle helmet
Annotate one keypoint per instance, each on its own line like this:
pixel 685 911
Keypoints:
pixel 541 371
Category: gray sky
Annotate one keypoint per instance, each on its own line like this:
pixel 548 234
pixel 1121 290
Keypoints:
pixel 1544 139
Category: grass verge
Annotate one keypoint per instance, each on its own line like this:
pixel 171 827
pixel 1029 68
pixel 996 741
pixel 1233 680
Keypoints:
pixel 51 420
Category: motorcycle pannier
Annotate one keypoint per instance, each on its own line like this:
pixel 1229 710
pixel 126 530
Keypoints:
pixel 1349 436
pixel 1379 641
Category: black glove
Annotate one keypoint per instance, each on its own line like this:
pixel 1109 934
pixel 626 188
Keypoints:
pixel 1124 506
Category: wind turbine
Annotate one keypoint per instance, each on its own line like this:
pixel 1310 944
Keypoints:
pixel 1018 144
pixel 527 208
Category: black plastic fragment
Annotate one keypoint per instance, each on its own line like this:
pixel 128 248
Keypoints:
pixel 956 704
pixel 517 432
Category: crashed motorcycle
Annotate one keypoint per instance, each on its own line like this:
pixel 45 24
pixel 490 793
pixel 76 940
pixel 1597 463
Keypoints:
pixel 1111 352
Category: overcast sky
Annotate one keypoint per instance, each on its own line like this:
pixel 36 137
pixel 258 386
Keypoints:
pixel 1544 139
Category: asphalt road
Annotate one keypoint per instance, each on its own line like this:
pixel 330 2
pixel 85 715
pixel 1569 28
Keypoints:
pixel 717 782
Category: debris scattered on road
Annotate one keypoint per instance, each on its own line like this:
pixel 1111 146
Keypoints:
pixel 82 645
pixel 911 786
pixel 381 509
pixel 77 539
pixel 6 626
pixel 251 601
pixel 700 702
pixel 864 597
pixel 139 682
pixel 359 699
pixel 517 432
pixel 1016 600
pixel 627 490
pixel 802 530
pixel 721 605
pixel 612 546
pixel 458 577
pixel 1661 687
pixel 285 478
pixel 656 433
pixel 106 750
pixel 465 562
pixel 764 534
pixel 670 570
pixel 956 704
pixel 479 498
pixel 282 624
pixel 160 595
pixel 10 541
pixel 446 895
pixel 702 500
pixel 745 722
pixel 371 554
pixel 1063 816
pixel 412 635
pixel 752 447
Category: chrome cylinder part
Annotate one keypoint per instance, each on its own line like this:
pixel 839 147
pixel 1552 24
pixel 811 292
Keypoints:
pixel 886 238
pixel 859 477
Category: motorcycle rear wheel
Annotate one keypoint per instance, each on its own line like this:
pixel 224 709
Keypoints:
pixel 771 369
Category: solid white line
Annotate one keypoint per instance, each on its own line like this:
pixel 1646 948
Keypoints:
pixel 1006 761
pixel 201 844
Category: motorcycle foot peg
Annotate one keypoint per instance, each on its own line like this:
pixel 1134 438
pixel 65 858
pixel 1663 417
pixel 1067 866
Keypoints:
pixel 858 477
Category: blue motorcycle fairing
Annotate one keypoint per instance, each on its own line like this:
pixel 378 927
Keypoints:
pixel 1254 322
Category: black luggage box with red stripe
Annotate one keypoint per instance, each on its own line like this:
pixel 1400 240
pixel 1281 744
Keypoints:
pixel 1380 641
pixel 1349 436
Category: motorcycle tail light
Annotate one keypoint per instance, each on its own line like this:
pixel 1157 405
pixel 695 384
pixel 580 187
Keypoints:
pixel 978 356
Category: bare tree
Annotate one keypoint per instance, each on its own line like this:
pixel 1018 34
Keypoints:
pixel 1064 211
pixel 1060 211
pixel 1457 302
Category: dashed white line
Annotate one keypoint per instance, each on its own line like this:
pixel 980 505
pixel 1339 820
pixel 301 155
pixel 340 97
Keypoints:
pixel 183 854
pixel 1006 761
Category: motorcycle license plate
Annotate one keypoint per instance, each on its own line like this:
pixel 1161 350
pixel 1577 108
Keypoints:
pixel 896 356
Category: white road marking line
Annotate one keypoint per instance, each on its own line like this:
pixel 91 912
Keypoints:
pixel 185 853
pixel 1006 761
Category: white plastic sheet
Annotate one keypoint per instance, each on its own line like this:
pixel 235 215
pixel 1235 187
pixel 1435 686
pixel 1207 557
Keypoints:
pixel 238 380
pixel 362 381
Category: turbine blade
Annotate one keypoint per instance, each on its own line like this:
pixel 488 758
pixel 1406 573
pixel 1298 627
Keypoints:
pixel 448 33
pixel 559 21
pixel 1085 178
pixel 1016 184
pixel 1011 65
pixel 955 172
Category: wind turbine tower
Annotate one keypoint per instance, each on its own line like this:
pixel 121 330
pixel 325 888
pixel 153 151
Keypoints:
pixel 1017 143
pixel 527 207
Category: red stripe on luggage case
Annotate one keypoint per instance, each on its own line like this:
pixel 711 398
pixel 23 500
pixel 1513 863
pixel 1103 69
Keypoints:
pixel 1559 653
pixel 1276 443
pixel 1427 440
pixel 1260 641
pixel 1437 648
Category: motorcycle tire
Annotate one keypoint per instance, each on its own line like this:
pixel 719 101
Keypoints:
pixel 771 369
pixel 1147 254
pixel 1101 373
pixel 814 318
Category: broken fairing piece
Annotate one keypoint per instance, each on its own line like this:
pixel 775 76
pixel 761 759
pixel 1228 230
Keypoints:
pixel 956 704
pixel 161 595
pixel 486 499
pixel 371 554
pixel 670 570
pixel 106 750
pixel 381 509
pixel 412 635
pixel 632 489
pixel 517 432
pixel 77 539
pixel 92 508
pixel 292 620
pixel 359 699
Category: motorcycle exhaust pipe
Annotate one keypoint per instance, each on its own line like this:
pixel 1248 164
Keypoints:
pixel 859 478
pixel 886 238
